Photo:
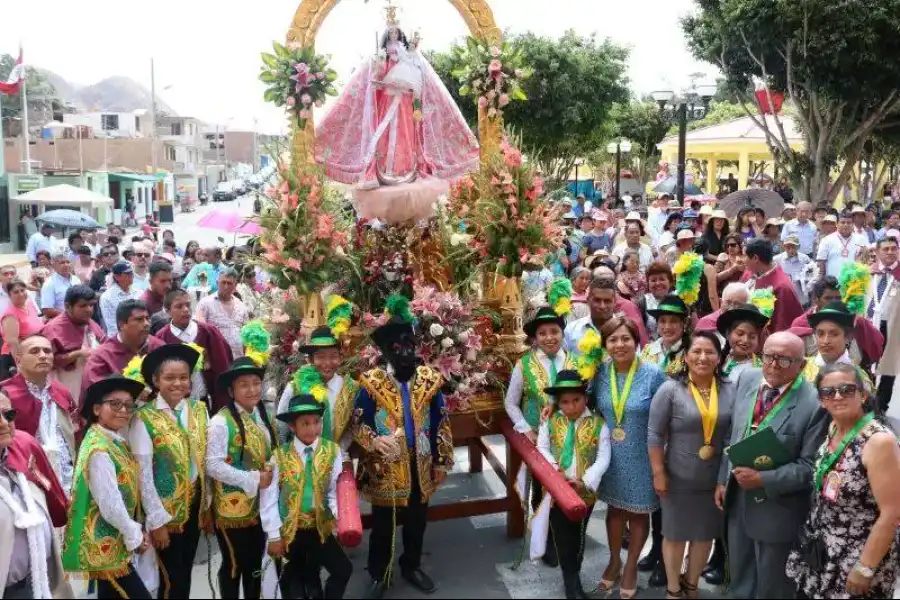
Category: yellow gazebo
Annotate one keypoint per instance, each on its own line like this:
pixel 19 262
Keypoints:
pixel 739 140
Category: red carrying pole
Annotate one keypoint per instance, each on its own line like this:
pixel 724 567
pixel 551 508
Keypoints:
pixel 349 521
pixel 552 480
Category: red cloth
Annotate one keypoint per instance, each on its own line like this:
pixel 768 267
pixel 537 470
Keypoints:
pixel 29 416
pixel 630 310
pixel 153 301
pixel 65 337
pixel 867 336
pixel 787 305
pixel 709 323
pixel 218 352
pixel 111 358
pixel 29 320
pixel 25 455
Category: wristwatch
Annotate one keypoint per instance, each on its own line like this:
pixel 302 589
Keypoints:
pixel 864 571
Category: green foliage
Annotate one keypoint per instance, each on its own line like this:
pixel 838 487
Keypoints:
pixel 41 92
pixel 298 79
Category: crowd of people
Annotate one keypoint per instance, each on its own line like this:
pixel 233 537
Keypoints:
pixel 132 420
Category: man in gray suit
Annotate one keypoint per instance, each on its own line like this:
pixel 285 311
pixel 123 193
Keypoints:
pixel 765 509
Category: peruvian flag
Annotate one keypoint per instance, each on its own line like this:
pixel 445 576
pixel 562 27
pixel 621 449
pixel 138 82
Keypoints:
pixel 16 76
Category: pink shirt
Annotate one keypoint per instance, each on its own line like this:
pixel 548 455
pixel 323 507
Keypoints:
pixel 29 320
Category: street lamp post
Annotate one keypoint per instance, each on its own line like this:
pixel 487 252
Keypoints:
pixel 618 148
pixel 578 163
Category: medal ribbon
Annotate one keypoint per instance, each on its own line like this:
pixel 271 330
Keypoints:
pixel 827 462
pixel 777 407
pixel 619 402
pixel 709 413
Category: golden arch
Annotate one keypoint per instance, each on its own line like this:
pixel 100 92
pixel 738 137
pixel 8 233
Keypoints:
pixel 478 17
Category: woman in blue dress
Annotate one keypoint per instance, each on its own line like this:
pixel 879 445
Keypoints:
pixel 624 389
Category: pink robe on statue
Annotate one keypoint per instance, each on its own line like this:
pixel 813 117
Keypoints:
pixel 65 337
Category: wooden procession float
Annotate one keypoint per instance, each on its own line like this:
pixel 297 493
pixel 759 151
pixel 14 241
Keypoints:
pixel 300 236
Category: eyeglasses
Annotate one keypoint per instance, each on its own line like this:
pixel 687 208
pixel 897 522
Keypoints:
pixel 847 390
pixel 783 362
pixel 142 254
pixel 118 405
pixel 9 415
pixel 109 254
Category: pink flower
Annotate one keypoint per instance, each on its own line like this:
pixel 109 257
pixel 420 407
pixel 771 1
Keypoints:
pixel 284 188
pixel 320 76
pixel 495 67
pixel 301 67
pixel 513 158
pixel 324 227
pixel 495 51
pixel 491 95
pixel 320 104
pixel 304 114
pixel 293 263
pixel 302 80
pixel 306 99
pixel 293 200
pixel 270 193
pixel 482 101
pixel 504 99
pixel 492 112
pixel 291 101
pixel 449 365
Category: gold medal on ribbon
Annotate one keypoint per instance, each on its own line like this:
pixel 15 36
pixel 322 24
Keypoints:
pixel 620 400
pixel 706 452
pixel 709 415
pixel 618 434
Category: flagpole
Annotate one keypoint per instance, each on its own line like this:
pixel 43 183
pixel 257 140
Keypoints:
pixel 2 141
pixel 25 113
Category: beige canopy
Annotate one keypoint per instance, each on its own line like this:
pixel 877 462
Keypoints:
pixel 64 195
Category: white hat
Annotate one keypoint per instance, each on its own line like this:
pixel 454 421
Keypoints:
pixel 774 221
pixel 788 206
pixel 686 234
pixel 633 216
pixel 569 216
pixel 719 214
pixel 666 239
pixel 706 209
pixel 894 233
pixel 830 219
pixel 858 210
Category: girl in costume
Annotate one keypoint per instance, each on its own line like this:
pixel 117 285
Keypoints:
pixel 667 351
pixel 575 440
pixel 168 439
pixel 742 329
pixel 237 460
pixel 104 530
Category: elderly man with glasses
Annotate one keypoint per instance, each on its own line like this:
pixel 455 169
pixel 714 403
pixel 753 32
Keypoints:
pixel 140 260
pixel 53 292
pixel 764 509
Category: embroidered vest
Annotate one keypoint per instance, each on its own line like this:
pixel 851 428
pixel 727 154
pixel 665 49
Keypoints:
pixel 233 509
pixel 587 435
pixel 671 367
pixel 92 545
pixel 536 379
pixel 173 449
pixel 342 410
pixel 292 479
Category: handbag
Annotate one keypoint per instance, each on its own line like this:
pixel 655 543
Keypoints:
pixel 813 550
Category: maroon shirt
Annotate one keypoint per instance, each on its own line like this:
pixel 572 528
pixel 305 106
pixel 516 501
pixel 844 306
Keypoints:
pixel 153 301
pixel 25 455
pixel 111 358
pixel 28 407
pixel 218 352
pixel 65 337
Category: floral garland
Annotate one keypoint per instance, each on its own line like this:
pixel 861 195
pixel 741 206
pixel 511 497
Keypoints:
pixel 256 341
pixel 764 299
pixel 297 79
pixel 493 74
pixel 854 283
pixel 560 296
pixel 688 272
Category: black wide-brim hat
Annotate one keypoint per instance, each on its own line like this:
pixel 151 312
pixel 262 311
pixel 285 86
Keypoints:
pixel 156 358
pixel 242 366
pixel 567 380
pixel 671 304
pixel 301 404
pixel 98 391
pixel 836 312
pixel 743 313
pixel 544 316
pixel 321 338
pixel 391 331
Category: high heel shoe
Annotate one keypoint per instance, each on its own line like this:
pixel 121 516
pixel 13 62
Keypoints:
pixel 689 591
pixel 627 594
pixel 607 585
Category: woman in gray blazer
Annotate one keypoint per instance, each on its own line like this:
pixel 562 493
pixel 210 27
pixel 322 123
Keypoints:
pixel 690 419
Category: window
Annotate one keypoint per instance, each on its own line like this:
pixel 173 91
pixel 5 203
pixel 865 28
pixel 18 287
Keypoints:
pixel 109 122
pixel 137 124
pixel 176 128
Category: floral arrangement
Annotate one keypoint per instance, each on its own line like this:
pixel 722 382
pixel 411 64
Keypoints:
pixel 308 380
pixel 338 314
pixel 304 235
pixel 297 79
pixel 560 296
pixel 133 369
pixel 492 73
pixel 450 340
pixel 854 282
pixel 512 227
pixel 591 354
pixel 688 272
pixel 256 341
pixel 764 299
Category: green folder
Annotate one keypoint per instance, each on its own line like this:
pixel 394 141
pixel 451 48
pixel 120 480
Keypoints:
pixel 762 451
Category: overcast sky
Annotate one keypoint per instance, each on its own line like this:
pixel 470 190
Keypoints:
pixel 208 50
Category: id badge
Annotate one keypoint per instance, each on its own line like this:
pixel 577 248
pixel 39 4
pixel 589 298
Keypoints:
pixel 832 488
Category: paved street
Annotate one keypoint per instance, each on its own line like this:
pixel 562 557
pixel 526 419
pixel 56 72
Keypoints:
pixel 186 228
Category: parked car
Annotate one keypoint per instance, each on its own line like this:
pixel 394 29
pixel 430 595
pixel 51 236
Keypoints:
pixel 224 192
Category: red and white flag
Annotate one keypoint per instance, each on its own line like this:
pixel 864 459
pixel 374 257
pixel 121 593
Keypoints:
pixel 16 76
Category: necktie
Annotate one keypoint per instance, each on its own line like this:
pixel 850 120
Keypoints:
pixel 327 432
pixel 568 451
pixel 769 397
pixel 307 504
pixel 879 294
pixel 408 427
pixel 552 369
pixel 178 412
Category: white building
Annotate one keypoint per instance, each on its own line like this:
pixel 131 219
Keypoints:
pixel 132 124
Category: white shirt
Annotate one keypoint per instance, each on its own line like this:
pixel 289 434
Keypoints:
pixel 269 512
pixel 217 452
pixel 833 248
pixel 515 390
pixel 142 448
pixel 109 303
pixel 334 386
pixel 645 254
pixel 104 487
pixel 594 473
pixel 881 306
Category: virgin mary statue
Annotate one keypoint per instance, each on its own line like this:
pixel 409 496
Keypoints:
pixel 395 121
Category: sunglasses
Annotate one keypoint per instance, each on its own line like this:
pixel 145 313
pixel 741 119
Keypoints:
pixel 142 254
pixel 9 415
pixel 847 390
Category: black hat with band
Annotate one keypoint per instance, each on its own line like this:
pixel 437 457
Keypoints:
pixel 242 366
pixel 671 304
pixel 154 360
pixel 100 390
pixel 836 312
pixel 301 404
pixel 743 313
pixel 567 380
pixel 320 339
pixel 544 316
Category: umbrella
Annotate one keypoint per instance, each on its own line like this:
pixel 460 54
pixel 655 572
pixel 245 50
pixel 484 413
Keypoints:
pixel 769 201
pixel 65 217
pixel 668 185
pixel 231 221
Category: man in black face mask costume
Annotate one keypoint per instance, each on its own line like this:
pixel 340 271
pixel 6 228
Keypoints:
pixel 401 423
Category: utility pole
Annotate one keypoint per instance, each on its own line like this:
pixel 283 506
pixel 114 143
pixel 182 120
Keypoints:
pixel 25 117
pixel 154 197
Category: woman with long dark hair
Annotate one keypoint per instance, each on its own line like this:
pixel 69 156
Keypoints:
pixel 734 264
pixel 240 446
pixel 746 224
pixel 742 328
pixel 717 229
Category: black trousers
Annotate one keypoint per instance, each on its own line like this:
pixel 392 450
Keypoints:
pixel 415 519
pixel 129 586
pixel 176 563
pixel 19 591
pixel 656 529
pixel 569 539
pixel 306 556
pixel 242 551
